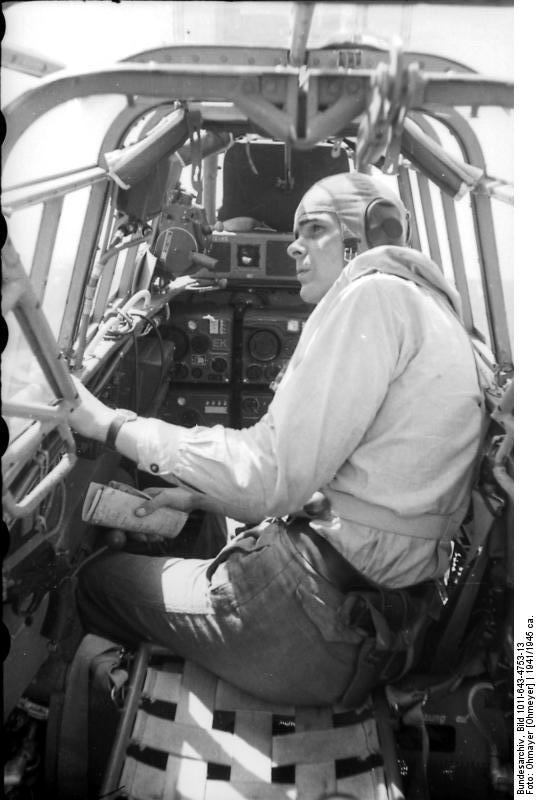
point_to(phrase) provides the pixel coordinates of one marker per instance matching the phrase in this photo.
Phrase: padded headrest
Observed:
(247, 194)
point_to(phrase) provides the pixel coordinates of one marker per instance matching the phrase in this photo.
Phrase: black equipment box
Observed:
(253, 255)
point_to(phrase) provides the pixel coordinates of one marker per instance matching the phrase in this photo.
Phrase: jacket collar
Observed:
(407, 263)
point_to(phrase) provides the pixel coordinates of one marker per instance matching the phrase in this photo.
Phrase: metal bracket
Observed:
(392, 93)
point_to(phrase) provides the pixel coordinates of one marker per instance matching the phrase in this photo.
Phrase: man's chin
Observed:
(309, 295)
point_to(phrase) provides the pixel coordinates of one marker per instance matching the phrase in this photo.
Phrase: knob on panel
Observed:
(189, 418)
(200, 343)
(250, 405)
(219, 365)
(254, 373)
(271, 372)
(180, 340)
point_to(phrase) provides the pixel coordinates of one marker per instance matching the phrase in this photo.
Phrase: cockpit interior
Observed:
(149, 196)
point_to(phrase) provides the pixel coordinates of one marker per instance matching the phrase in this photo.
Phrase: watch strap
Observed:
(116, 424)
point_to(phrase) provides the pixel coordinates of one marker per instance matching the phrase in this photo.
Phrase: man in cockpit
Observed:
(380, 411)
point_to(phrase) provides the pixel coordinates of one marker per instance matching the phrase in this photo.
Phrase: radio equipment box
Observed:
(191, 407)
(253, 406)
(269, 337)
(203, 340)
(253, 255)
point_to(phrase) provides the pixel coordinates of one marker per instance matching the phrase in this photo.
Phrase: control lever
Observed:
(201, 260)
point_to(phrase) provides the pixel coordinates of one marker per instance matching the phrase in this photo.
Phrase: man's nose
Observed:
(296, 249)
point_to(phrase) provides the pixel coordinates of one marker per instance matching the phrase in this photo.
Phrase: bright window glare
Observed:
(84, 34)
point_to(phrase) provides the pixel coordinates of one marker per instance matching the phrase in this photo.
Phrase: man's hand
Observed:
(91, 418)
(178, 498)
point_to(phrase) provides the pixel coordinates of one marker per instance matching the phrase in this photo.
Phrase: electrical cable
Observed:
(154, 326)
(61, 515)
(135, 401)
(479, 687)
(87, 560)
(501, 776)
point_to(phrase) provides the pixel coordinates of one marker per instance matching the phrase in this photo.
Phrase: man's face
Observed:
(319, 254)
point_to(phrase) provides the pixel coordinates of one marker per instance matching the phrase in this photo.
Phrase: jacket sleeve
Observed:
(332, 389)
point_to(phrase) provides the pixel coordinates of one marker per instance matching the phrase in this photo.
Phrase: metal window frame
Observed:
(485, 239)
(453, 237)
(21, 299)
(269, 97)
(44, 245)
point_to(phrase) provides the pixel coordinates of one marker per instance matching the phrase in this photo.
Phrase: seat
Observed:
(187, 735)
(254, 181)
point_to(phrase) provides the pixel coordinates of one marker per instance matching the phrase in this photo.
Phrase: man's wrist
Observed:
(119, 418)
(102, 424)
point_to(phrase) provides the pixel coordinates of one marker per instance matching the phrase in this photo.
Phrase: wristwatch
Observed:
(122, 415)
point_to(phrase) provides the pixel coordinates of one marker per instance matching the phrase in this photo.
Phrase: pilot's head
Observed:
(337, 218)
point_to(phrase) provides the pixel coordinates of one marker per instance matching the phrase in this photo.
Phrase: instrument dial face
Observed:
(264, 345)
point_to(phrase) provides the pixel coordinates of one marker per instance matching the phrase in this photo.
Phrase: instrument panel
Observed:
(197, 406)
(269, 338)
(227, 357)
(203, 339)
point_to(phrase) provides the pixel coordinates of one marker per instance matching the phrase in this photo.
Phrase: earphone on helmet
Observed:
(384, 223)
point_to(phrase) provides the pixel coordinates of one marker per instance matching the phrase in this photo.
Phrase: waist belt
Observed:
(423, 526)
(326, 559)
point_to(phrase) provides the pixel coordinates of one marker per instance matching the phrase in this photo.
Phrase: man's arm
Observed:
(328, 398)
(326, 402)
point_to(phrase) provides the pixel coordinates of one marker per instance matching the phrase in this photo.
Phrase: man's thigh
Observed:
(240, 615)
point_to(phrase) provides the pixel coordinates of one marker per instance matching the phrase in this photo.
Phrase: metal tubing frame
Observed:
(175, 82)
(485, 238)
(226, 55)
(44, 246)
(110, 783)
(28, 311)
(454, 240)
(343, 108)
(31, 195)
(23, 447)
(210, 177)
(303, 18)
(393, 780)
(105, 281)
(28, 62)
(259, 91)
(82, 264)
(425, 197)
(406, 193)
(91, 226)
